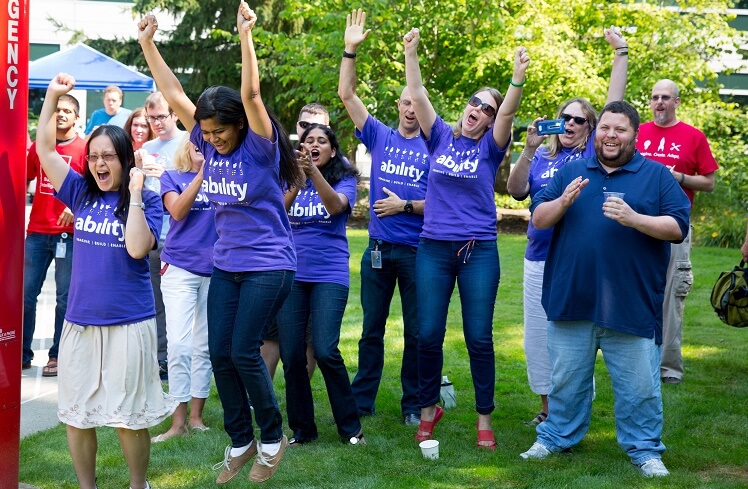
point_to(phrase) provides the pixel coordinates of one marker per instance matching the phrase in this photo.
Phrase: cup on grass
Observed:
(430, 449)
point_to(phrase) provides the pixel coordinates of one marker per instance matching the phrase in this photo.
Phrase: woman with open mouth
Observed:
(318, 212)
(108, 341)
(534, 169)
(249, 161)
(458, 241)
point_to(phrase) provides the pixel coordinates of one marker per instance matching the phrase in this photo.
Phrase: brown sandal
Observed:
(50, 369)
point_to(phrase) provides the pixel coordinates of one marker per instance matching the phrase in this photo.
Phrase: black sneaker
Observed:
(163, 371)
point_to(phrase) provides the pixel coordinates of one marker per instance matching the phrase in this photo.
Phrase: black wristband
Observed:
(346, 54)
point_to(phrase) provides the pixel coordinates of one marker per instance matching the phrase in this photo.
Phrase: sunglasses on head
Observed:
(577, 119)
(485, 108)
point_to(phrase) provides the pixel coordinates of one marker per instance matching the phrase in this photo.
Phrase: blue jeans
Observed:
(40, 251)
(377, 289)
(240, 308)
(320, 305)
(476, 271)
(634, 366)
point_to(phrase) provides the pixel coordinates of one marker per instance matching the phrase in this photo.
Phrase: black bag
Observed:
(730, 296)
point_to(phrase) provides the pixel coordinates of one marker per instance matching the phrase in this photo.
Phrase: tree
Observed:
(466, 44)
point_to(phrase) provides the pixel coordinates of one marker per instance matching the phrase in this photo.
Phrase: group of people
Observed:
(255, 249)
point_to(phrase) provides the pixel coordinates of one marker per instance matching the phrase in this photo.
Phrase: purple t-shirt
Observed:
(400, 164)
(108, 287)
(542, 170)
(253, 230)
(459, 197)
(321, 242)
(189, 243)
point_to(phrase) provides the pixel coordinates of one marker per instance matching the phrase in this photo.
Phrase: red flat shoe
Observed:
(486, 436)
(428, 426)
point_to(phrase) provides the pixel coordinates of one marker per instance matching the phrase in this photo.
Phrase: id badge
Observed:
(376, 259)
(61, 250)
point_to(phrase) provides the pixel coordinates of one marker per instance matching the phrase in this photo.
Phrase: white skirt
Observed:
(108, 376)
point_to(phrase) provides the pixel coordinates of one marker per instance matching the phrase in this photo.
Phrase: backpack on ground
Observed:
(730, 296)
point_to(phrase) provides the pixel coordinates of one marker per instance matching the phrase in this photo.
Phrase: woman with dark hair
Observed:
(108, 374)
(249, 161)
(458, 241)
(534, 169)
(318, 213)
(138, 128)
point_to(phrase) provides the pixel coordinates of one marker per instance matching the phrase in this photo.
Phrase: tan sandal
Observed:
(50, 369)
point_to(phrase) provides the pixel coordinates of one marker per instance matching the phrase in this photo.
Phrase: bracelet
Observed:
(622, 47)
(346, 54)
(518, 85)
(137, 204)
(622, 53)
(525, 156)
(682, 178)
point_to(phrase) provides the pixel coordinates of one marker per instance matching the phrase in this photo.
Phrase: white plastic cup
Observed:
(430, 449)
(617, 195)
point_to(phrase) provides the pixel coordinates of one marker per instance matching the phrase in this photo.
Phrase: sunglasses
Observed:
(577, 119)
(304, 124)
(485, 108)
(664, 98)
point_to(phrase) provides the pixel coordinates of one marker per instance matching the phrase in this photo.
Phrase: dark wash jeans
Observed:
(240, 308)
(40, 251)
(377, 289)
(321, 305)
(477, 276)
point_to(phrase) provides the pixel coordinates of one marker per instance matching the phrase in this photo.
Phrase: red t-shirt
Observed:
(681, 145)
(46, 209)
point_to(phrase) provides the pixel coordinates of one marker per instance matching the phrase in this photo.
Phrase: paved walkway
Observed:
(39, 394)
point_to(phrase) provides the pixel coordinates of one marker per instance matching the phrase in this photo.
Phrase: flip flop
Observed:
(50, 369)
(486, 436)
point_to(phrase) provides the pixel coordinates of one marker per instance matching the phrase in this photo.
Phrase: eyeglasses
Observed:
(405, 102)
(485, 108)
(158, 118)
(664, 98)
(577, 119)
(107, 157)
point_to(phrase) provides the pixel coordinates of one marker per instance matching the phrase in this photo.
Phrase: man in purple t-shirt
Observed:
(399, 172)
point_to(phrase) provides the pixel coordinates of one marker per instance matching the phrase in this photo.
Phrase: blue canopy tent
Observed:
(92, 71)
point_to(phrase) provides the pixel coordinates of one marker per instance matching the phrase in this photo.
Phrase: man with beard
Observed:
(685, 151)
(603, 288)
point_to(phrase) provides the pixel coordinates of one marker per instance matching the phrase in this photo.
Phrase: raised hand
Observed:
(521, 62)
(533, 139)
(61, 84)
(354, 29)
(411, 39)
(147, 28)
(137, 177)
(305, 162)
(614, 37)
(245, 18)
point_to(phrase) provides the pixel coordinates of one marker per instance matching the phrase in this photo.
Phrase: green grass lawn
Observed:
(706, 426)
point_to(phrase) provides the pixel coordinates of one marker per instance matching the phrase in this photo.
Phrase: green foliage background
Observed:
(467, 44)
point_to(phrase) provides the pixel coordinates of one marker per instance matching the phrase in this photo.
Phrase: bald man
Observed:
(685, 151)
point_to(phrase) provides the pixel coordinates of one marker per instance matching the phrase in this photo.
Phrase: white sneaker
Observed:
(653, 468)
(536, 451)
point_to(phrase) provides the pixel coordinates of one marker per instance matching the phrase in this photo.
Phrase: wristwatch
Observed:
(408, 207)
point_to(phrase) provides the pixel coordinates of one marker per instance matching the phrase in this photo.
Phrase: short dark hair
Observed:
(337, 168)
(621, 107)
(70, 99)
(126, 157)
